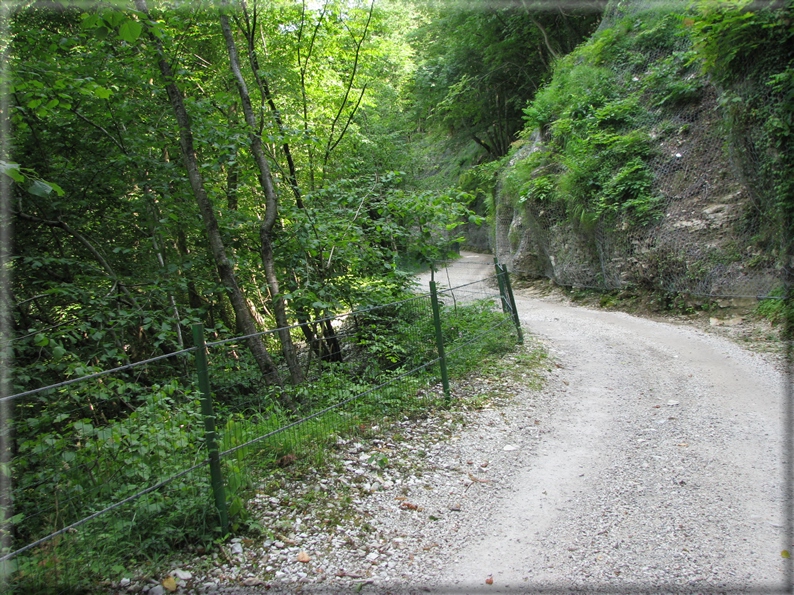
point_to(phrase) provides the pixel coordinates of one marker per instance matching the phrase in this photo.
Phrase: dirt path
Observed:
(662, 464)
(650, 461)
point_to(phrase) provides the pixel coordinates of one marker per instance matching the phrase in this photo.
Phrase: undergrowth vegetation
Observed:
(88, 452)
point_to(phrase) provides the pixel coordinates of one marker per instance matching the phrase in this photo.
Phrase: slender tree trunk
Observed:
(264, 88)
(180, 243)
(303, 67)
(267, 97)
(271, 205)
(225, 271)
(232, 182)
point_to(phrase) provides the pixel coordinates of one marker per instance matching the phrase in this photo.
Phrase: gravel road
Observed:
(650, 461)
(662, 466)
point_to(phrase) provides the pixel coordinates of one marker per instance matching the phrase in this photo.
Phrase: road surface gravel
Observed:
(662, 468)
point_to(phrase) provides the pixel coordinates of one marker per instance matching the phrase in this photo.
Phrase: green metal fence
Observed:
(115, 464)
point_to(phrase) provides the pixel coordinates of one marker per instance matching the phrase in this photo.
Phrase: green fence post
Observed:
(513, 307)
(216, 477)
(501, 281)
(439, 338)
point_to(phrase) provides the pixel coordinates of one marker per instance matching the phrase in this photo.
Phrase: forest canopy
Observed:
(248, 165)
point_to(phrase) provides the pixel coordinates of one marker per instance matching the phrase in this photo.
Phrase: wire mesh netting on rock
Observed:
(646, 172)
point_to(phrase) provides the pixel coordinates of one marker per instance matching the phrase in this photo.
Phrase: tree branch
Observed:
(98, 127)
(328, 147)
(85, 242)
(482, 143)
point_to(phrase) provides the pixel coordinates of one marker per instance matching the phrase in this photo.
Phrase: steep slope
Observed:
(646, 161)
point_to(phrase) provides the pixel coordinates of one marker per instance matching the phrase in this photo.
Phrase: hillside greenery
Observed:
(258, 165)
(611, 97)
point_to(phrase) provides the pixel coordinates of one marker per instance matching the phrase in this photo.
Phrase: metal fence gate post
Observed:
(513, 307)
(207, 412)
(501, 281)
(439, 338)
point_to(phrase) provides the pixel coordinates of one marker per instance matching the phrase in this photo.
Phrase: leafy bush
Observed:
(67, 468)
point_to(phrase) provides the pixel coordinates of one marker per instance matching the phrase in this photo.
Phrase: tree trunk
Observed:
(271, 206)
(225, 271)
(249, 31)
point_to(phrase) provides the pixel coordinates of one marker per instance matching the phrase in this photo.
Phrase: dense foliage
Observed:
(475, 83)
(596, 118)
(243, 165)
(598, 135)
(111, 247)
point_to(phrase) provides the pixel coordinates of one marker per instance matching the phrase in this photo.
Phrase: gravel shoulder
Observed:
(649, 461)
(662, 469)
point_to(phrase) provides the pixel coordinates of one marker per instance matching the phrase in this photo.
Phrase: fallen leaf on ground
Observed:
(303, 557)
(409, 506)
(489, 580)
(169, 583)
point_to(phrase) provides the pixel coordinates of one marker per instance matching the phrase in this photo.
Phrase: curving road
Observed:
(650, 461)
(661, 468)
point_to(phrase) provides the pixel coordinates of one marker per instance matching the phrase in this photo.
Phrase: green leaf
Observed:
(785, 554)
(17, 518)
(156, 29)
(114, 18)
(58, 190)
(130, 31)
(12, 171)
(102, 92)
(90, 21)
(40, 188)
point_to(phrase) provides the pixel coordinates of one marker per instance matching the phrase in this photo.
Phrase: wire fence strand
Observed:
(107, 451)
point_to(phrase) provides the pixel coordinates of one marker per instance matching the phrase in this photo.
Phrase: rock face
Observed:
(705, 241)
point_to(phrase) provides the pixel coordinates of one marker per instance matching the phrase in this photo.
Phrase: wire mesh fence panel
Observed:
(382, 361)
(474, 323)
(120, 465)
(108, 467)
